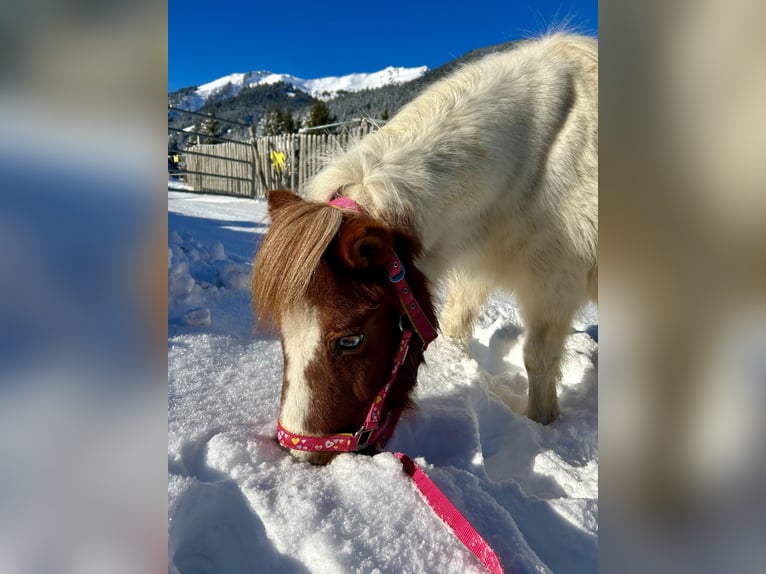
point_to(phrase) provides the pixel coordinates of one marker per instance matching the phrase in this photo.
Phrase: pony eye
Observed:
(349, 343)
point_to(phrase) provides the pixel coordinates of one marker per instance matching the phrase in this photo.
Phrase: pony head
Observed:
(321, 278)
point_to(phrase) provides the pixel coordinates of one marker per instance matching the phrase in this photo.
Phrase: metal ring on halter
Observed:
(398, 277)
(363, 438)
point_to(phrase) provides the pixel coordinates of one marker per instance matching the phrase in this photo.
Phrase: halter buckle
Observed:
(363, 435)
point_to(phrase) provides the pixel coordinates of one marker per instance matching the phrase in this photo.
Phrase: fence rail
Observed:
(253, 167)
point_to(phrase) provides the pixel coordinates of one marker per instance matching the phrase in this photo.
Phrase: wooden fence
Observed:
(250, 169)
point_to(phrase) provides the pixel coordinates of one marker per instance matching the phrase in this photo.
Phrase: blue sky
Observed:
(313, 39)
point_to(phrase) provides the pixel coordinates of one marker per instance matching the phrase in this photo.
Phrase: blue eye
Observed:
(348, 343)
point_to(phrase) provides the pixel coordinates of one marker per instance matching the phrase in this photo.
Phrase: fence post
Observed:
(252, 163)
(253, 156)
(293, 150)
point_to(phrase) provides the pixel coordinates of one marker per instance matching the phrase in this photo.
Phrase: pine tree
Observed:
(272, 122)
(194, 138)
(277, 122)
(288, 123)
(320, 115)
(211, 129)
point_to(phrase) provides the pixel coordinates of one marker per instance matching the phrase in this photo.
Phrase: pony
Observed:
(487, 180)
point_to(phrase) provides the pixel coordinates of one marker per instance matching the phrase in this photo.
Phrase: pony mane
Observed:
(289, 255)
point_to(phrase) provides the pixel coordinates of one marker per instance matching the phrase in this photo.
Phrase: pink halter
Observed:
(376, 429)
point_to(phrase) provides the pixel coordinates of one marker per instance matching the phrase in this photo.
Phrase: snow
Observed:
(177, 184)
(330, 86)
(239, 503)
(324, 88)
(237, 81)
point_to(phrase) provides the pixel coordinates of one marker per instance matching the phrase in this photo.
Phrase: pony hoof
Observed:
(544, 416)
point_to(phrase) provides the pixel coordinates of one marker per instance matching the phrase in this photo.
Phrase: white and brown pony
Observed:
(487, 180)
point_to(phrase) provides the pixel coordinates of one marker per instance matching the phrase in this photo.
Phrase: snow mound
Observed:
(198, 274)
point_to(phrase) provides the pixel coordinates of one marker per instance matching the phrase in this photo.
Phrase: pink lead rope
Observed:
(451, 516)
(374, 432)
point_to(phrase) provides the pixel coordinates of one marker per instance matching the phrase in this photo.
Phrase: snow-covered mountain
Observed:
(324, 88)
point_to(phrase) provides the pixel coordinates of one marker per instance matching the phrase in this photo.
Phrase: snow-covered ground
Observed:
(176, 184)
(324, 88)
(238, 503)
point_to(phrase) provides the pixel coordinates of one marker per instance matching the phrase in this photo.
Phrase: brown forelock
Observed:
(291, 250)
(360, 301)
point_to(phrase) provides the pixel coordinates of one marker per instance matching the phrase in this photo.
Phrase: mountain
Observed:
(230, 86)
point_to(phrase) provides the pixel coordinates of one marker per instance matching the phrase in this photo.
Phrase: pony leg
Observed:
(465, 298)
(543, 350)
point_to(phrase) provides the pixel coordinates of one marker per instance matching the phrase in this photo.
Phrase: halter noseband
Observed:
(376, 429)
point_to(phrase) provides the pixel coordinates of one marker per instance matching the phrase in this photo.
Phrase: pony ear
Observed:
(280, 198)
(364, 243)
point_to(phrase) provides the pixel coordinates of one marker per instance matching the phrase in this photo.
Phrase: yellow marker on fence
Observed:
(278, 160)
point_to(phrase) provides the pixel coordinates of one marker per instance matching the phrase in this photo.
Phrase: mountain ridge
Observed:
(324, 88)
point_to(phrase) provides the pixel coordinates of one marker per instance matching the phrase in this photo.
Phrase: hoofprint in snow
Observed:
(239, 503)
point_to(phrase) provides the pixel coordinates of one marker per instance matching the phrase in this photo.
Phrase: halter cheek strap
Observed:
(414, 311)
